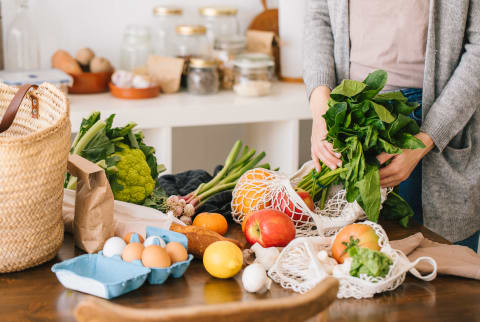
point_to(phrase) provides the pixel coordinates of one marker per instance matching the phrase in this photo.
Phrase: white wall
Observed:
(99, 24)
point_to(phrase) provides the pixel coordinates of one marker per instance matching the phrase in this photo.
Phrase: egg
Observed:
(122, 79)
(177, 252)
(128, 237)
(113, 246)
(132, 252)
(155, 256)
(154, 240)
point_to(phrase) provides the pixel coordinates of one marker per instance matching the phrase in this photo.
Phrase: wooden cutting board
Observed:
(265, 21)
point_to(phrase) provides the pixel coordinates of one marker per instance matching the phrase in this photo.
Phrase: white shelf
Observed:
(287, 102)
(270, 123)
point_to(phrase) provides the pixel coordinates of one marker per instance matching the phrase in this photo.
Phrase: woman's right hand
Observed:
(321, 149)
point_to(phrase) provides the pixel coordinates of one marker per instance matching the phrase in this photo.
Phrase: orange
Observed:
(249, 197)
(244, 221)
(211, 221)
(257, 174)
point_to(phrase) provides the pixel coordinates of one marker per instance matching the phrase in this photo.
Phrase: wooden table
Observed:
(36, 295)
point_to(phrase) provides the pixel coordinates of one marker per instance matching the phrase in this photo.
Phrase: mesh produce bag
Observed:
(259, 189)
(299, 268)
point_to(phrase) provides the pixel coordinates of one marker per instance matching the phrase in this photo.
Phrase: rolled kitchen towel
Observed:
(451, 259)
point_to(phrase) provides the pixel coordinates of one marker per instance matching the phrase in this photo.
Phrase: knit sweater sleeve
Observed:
(458, 101)
(319, 65)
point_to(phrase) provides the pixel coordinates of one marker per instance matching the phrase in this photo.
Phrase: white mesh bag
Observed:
(298, 268)
(259, 188)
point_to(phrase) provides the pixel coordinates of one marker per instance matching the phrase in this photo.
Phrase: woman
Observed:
(431, 51)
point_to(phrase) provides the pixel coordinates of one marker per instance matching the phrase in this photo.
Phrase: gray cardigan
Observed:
(451, 100)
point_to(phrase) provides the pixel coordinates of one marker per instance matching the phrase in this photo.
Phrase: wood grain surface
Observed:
(36, 295)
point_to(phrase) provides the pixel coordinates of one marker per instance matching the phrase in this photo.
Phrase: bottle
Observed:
(136, 47)
(22, 51)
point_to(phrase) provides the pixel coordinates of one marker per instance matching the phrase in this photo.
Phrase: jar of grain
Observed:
(253, 74)
(203, 76)
(225, 50)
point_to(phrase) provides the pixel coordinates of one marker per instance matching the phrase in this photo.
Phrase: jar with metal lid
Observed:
(192, 40)
(225, 50)
(136, 47)
(166, 19)
(202, 76)
(254, 74)
(220, 21)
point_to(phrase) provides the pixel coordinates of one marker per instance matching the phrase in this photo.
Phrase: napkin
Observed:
(451, 259)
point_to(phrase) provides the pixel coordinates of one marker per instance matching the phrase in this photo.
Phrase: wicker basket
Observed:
(34, 146)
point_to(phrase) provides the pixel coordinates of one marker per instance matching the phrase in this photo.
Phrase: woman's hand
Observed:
(320, 148)
(403, 164)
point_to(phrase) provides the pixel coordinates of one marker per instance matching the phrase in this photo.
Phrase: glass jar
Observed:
(253, 74)
(136, 47)
(202, 76)
(191, 41)
(220, 21)
(166, 19)
(225, 50)
(22, 50)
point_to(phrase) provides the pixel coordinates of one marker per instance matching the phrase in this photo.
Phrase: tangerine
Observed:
(212, 221)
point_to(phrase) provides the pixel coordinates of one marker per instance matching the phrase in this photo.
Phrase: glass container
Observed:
(136, 47)
(203, 76)
(225, 50)
(22, 50)
(166, 19)
(191, 40)
(253, 74)
(220, 21)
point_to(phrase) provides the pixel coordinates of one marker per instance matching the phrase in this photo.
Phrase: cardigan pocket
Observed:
(458, 158)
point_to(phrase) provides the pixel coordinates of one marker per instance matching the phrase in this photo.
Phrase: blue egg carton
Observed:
(110, 277)
(160, 275)
(100, 276)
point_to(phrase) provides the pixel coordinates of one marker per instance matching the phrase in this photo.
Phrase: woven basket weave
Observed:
(33, 162)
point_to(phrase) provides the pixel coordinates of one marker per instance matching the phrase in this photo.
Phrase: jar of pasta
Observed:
(225, 50)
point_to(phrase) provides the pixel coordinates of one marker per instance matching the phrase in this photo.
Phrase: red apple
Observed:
(269, 228)
(283, 203)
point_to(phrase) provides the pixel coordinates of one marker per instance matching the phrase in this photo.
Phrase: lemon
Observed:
(223, 259)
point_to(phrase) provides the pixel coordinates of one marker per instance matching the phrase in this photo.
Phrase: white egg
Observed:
(113, 246)
(151, 241)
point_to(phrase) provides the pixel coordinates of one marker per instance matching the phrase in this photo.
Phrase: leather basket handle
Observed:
(14, 105)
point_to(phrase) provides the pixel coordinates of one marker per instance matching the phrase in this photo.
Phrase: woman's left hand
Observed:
(403, 164)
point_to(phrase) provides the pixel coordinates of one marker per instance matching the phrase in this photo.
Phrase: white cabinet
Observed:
(191, 132)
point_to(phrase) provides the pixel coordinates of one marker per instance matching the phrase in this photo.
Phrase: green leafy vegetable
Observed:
(396, 208)
(369, 262)
(362, 124)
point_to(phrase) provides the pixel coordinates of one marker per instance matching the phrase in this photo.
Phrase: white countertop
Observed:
(287, 102)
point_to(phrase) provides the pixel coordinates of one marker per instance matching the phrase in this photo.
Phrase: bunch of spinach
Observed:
(361, 124)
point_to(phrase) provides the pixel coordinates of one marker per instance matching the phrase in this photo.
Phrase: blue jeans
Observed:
(411, 189)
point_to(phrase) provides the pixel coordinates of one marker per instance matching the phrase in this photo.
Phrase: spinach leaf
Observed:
(347, 88)
(389, 148)
(335, 115)
(402, 124)
(405, 108)
(369, 188)
(383, 113)
(408, 141)
(375, 82)
(390, 96)
(396, 208)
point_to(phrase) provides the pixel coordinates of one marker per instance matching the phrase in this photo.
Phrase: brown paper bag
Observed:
(166, 71)
(93, 219)
(265, 42)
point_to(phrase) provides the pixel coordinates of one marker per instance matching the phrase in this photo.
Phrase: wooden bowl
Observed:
(134, 93)
(90, 83)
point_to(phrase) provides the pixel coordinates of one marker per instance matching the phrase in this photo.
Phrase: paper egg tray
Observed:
(110, 277)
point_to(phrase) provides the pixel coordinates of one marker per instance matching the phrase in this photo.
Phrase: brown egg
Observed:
(132, 251)
(176, 251)
(155, 256)
(129, 235)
